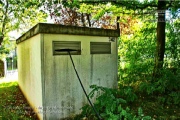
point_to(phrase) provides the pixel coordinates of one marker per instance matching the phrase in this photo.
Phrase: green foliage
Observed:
(172, 53)
(127, 93)
(136, 54)
(6, 48)
(18, 15)
(136, 65)
(86, 8)
(69, 3)
(110, 106)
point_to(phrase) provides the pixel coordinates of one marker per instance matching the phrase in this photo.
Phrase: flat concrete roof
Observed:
(46, 28)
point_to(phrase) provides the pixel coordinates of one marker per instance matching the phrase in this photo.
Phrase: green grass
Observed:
(13, 105)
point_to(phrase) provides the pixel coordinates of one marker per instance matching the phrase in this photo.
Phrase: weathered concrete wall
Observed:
(29, 69)
(49, 82)
(62, 90)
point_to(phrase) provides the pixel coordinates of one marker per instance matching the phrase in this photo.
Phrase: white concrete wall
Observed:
(29, 71)
(63, 93)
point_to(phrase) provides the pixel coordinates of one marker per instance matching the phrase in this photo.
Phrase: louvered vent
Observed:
(100, 47)
(74, 45)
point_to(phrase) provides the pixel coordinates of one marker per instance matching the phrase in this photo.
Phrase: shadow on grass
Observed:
(13, 105)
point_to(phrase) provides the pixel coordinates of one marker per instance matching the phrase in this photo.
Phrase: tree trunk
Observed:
(160, 48)
(82, 19)
(88, 18)
(4, 19)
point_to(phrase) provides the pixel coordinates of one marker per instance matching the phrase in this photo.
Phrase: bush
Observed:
(110, 106)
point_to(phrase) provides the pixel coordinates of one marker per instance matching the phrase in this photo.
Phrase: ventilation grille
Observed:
(57, 45)
(100, 47)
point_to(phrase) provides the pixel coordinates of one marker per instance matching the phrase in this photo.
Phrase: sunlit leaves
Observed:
(19, 15)
(84, 8)
(172, 53)
(136, 50)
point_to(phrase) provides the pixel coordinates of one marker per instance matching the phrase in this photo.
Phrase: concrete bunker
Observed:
(46, 76)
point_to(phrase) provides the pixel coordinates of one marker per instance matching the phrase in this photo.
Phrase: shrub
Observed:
(110, 106)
